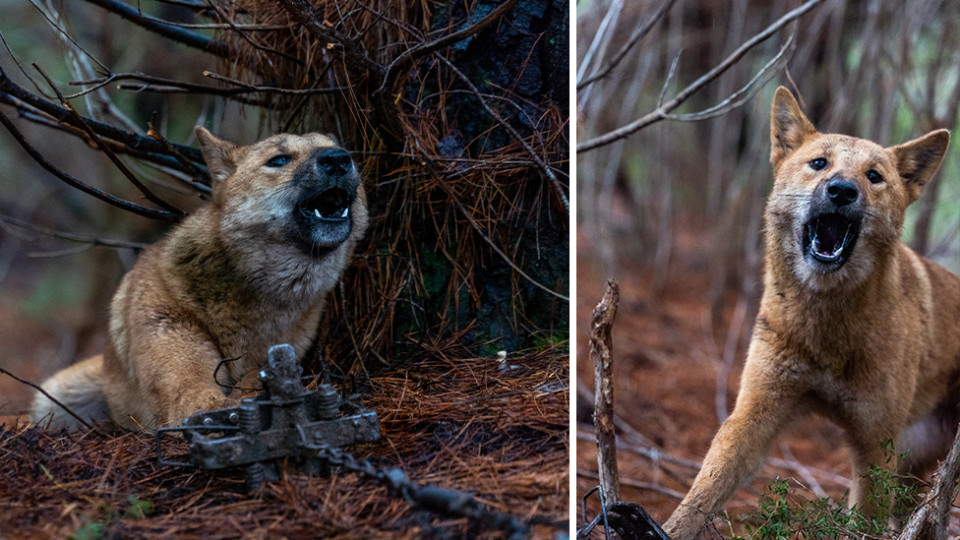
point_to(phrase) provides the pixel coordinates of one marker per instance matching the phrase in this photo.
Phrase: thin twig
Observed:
(96, 242)
(168, 164)
(803, 471)
(73, 182)
(197, 172)
(420, 51)
(476, 226)
(748, 90)
(655, 455)
(106, 150)
(663, 111)
(513, 132)
(186, 87)
(666, 82)
(64, 34)
(51, 398)
(648, 486)
(637, 35)
(133, 141)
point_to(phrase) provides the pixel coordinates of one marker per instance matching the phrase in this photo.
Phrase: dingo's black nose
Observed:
(334, 161)
(842, 192)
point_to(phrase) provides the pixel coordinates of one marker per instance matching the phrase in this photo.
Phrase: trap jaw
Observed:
(285, 423)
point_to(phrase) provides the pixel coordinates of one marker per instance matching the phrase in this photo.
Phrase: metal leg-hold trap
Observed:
(282, 426)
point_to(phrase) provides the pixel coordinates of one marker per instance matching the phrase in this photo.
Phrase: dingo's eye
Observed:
(818, 164)
(874, 177)
(278, 161)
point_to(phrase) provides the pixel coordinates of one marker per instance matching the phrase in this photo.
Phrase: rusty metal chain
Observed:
(431, 498)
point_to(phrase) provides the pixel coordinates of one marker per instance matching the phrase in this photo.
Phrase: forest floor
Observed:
(499, 432)
(666, 350)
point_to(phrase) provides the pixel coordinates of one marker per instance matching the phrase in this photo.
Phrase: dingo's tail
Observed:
(80, 389)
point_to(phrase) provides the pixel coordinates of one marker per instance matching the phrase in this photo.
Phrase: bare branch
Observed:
(189, 165)
(931, 518)
(673, 494)
(666, 82)
(637, 35)
(662, 112)
(106, 150)
(133, 141)
(745, 93)
(167, 30)
(73, 182)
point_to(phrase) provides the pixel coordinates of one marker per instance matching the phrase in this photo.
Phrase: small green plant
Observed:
(90, 531)
(780, 516)
(138, 508)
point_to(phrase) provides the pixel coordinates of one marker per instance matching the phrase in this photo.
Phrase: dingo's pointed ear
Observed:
(919, 159)
(788, 127)
(217, 153)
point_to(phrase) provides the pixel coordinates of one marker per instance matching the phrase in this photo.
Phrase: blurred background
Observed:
(674, 211)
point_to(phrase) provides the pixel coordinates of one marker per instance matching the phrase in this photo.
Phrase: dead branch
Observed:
(656, 456)
(637, 35)
(165, 162)
(132, 141)
(162, 215)
(84, 239)
(647, 486)
(160, 84)
(601, 352)
(662, 111)
(746, 92)
(109, 152)
(931, 518)
(167, 30)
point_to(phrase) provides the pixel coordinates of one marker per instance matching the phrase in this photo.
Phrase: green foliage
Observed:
(138, 508)
(90, 531)
(777, 517)
(780, 516)
(545, 342)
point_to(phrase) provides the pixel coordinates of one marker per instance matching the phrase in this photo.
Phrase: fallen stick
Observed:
(601, 353)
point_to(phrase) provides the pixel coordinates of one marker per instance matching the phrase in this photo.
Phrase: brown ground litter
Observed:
(462, 423)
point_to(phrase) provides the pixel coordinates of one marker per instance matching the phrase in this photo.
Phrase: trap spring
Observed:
(283, 423)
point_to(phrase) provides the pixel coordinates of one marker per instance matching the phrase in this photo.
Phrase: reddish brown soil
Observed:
(666, 364)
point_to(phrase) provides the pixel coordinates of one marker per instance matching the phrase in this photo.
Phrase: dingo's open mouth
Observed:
(828, 240)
